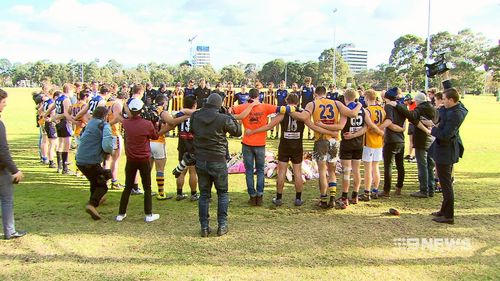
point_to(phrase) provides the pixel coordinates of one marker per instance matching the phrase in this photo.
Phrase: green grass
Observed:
(267, 243)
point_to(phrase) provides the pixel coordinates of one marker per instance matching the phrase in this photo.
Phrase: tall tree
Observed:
(407, 57)
(272, 71)
(325, 75)
(232, 73)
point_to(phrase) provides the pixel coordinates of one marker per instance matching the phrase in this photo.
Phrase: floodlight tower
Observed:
(190, 40)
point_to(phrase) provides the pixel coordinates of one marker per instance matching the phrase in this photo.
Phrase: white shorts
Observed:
(372, 154)
(158, 150)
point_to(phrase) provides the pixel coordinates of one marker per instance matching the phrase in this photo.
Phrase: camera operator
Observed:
(95, 140)
(210, 144)
(138, 132)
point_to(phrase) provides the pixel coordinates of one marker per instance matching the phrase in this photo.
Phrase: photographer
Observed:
(95, 140)
(210, 145)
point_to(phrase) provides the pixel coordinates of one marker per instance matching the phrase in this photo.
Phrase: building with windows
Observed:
(201, 56)
(355, 58)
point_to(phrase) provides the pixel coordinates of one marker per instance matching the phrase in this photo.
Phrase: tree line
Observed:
(476, 66)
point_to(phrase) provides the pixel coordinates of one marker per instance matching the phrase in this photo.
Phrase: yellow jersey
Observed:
(161, 138)
(377, 115)
(75, 108)
(326, 111)
(117, 127)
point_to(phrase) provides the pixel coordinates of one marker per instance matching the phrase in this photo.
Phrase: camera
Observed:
(105, 175)
(149, 113)
(187, 160)
(438, 67)
(37, 98)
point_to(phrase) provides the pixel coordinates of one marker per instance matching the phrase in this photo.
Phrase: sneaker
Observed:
(397, 192)
(136, 191)
(384, 194)
(365, 197)
(151, 217)
(194, 197)
(91, 210)
(161, 196)
(120, 218)
(52, 165)
(413, 160)
(68, 172)
(59, 169)
(116, 185)
(354, 200)
(298, 202)
(16, 234)
(342, 203)
(331, 203)
(180, 197)
(407, 157)
(438, 188)
(277, 202)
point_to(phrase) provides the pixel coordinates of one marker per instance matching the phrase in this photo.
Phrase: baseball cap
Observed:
(408, 97)
(391, 94)
(135, 104)
(420, 97)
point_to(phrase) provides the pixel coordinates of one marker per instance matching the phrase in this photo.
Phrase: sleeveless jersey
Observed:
(75, 108)
(242, 97)
(115, 128)
(326, 111)
(307, 95)
(377, 115)
(59, 104)
(353, 125)
(281, 96)
(161, 138)
(94, 102)
(46, 104)
(188, 92)
(261, 97)
(177, 97)
(270, 97)
(291, 133)
(230, 97)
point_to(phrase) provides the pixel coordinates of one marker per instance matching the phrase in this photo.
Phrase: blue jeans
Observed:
(425, 165)
(216, 173)
(257, 155)
(7, 199)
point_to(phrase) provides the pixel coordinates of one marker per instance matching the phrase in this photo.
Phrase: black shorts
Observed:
(411, 129)
(183, 147)
(63, 129)
(290, 154)
(50, 130)
(350, 154)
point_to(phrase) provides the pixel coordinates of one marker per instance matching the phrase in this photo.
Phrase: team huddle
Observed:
(353, 126)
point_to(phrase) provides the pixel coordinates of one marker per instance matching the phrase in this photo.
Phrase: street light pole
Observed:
(428, 43)
(286, 70)
(334, 49)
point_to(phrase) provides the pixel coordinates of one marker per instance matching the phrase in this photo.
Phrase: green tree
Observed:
(309, 69)
(325, 75)
(232, 73)
(407, 57)
(272, 71)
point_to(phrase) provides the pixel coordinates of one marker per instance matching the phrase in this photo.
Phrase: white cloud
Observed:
(23, 10)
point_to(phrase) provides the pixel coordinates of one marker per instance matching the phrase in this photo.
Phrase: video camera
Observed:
(439, 66)
(150, 113)
(187, 160)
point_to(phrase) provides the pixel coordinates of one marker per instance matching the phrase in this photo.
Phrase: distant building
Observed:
(201, 56)
(355, 58)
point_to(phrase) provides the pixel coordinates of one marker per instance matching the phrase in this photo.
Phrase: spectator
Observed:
(9, 174)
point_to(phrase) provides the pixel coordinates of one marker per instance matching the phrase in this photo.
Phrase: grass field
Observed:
(266, 243)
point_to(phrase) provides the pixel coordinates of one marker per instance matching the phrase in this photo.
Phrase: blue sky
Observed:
(133, 32)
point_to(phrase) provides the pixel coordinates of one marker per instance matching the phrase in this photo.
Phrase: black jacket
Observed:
(448, 146)
(424, 110)
(210, 128)
(201, 95)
